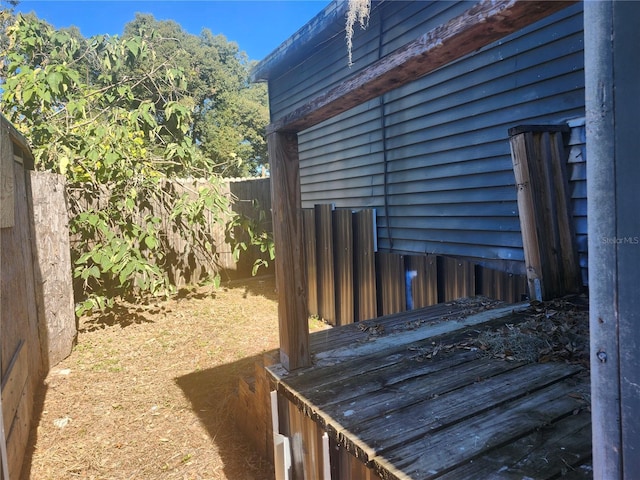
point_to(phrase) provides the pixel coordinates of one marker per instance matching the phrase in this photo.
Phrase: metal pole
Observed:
(613, 175)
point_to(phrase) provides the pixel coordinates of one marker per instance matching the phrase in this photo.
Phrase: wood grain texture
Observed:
(343, 253)
(325, 263)
(52, 266)
(288, 237)
(365, 264)
(21, 365)
(311, 259)
(458, 278)
(530, 240)
(391, 279)
(571, 279)
(13, 385)
(546, 221)
(404, 416)
(7, 195)
(485, 22)
(425, 284)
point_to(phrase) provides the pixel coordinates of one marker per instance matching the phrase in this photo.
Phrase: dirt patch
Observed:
(124, 404)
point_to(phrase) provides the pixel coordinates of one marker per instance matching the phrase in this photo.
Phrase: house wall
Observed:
(577, 174)
(438, 167)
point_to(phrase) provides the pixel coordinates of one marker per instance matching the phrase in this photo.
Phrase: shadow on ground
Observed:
(213, 396)
(38, 408)
(262, 286)
(123, 315)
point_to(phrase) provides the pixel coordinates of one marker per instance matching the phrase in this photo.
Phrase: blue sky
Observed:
(258, 26)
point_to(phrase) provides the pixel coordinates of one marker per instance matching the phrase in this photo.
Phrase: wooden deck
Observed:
(411, 397)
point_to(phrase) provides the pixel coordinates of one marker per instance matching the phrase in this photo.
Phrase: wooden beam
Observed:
(482, 24)
(289, 262)
(521, 144)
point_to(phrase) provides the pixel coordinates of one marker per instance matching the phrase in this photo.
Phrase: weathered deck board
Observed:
(396, 396)
(541, 454)
(436, 412)
(434, 454)
(334, 338)
(360, 339)
(384, 396)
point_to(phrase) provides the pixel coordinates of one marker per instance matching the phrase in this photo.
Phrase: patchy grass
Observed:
(122, 407)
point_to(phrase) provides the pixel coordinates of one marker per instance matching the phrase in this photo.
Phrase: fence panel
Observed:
(326, 274)
(457, 278)
(365, 287)
(21, 366)
(311, 259)
(343, 252)
(424, 284)
(349, 281)
(185, 264)
(391, 279)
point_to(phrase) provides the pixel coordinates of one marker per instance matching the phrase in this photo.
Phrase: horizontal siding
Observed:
(449, 177)
(577, 174)
(326, 68)
(342, 154)
(403, 22)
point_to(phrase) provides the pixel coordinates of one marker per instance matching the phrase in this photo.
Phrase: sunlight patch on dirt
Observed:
(114, 409)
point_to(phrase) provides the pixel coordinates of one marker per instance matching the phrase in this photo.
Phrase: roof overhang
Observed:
(483, 23)
(324, 26)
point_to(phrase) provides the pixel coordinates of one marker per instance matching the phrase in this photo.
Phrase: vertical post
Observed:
(365, 246)
(613, 172)
(521, 144)
(343, 270)
(325, 263)
(289, 262)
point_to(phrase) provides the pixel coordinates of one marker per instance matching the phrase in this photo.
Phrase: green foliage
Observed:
(229, 114)
(243, 232)
(114, 117)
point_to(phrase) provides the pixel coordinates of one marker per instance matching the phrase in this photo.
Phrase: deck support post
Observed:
(613, 172)
(289, 262)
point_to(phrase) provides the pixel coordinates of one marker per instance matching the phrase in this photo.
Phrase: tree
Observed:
(6, 18)
(114, 117)
(229, 114)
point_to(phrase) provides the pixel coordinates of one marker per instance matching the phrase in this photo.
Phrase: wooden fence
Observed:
(348, 280)
(185, 262)
(37, 322)
(188, 266)
(544, 204)
(20, 354)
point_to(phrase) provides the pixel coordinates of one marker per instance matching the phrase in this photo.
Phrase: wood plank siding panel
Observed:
(450, 185)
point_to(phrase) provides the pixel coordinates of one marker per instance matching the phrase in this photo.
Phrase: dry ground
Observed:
(147, 391)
